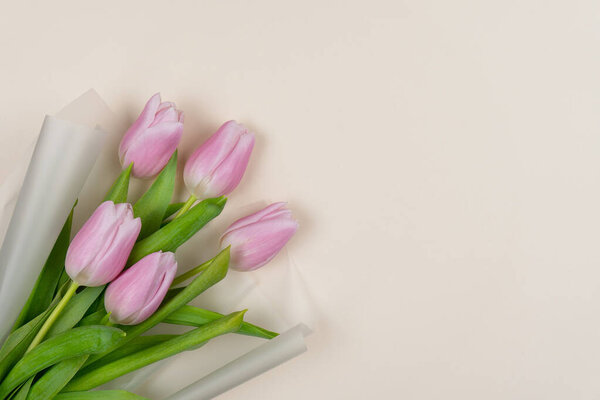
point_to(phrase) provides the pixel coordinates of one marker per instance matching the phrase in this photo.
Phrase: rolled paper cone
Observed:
(258, 361)
(64, 155)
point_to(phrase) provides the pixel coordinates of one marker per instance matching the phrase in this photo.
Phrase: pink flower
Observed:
(152, 139)
(137, 292)
(100, 249)
(257, 238)
(217, 166)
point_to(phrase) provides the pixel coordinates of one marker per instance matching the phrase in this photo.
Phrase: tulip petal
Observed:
(91, 238)
(229, 173)
(257, 216)
(165, 104)
(255, 245)
(100, 249)
(211, 154)
(143, 121)
(129, 292)
(166, 115)
(111, 263)
(151, 152)
(138, 292)
(122, 212)
(152, 139)
(159, 290)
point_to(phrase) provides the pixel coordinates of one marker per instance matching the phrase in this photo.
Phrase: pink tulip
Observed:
(257, 238)
(100, 249)
(217, 166)
(152, 139)
(137, 292)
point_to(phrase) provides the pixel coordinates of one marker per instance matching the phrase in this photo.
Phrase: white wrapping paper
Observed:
(63, 157)
(265, 357)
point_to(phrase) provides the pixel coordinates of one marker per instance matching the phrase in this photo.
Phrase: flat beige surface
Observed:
(441, 156)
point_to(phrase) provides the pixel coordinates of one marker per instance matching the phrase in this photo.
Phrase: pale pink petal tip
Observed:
(218, 165)
(257, 238)
(99, 251)
(138, 292)
(151, 141)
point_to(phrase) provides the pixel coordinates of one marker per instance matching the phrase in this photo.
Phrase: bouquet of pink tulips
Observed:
(97, 295)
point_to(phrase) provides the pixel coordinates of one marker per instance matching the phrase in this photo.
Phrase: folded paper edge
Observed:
(17, 278)
(267, 356)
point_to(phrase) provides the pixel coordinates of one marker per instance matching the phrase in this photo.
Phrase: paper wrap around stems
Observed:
(258, 361)
(63, 157)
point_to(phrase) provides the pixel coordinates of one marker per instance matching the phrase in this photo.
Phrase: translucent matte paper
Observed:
(63, 157)
(269, 355)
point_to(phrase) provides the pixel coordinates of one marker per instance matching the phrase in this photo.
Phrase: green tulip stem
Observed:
(192, 272)
(106, 320)
(53, 316)
(188, 204)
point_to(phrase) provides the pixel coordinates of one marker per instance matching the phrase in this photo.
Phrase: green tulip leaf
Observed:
(98, 376)
(94, 318)
(151, 207)
(97, 306)
(119, 189)
(73, 343)
(56, 378)
(172, 293)
(138, 344)
(48, 281)
(75, 310)
(172, 209)
(178, 231)
(100, 395)
(213, 274)
(22, 392)
(64, 278)
(194, 316)
(17, 342)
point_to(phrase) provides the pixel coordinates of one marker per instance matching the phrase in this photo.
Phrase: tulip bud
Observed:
(100, 249)
(217, 166)
(137, 292)
(257, 238)
(152, 139)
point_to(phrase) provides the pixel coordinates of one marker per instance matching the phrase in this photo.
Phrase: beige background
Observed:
(441, 156)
